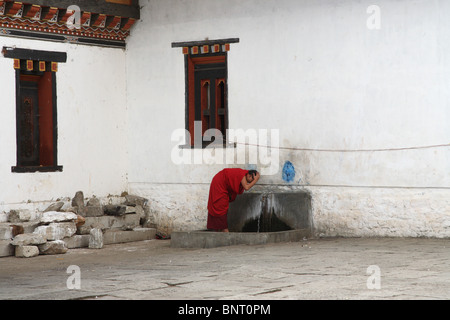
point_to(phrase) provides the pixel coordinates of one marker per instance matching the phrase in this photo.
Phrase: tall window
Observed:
(36, 112)
(207, 95)
(206, 70)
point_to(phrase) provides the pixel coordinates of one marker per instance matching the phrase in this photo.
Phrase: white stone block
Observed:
(53, 247)
(28, 239)
(96, 239)
(77, 241)
(57, 231)
(27, 251)
(57, 216)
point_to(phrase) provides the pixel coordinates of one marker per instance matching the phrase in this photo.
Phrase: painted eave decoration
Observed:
(71, 24)
(205, 46)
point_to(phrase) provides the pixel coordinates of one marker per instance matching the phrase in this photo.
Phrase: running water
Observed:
(267, 220)
(263, 208)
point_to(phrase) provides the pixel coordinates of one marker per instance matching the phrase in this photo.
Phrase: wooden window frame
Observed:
(47, 153)
(198, 53)
(37, 70)
(195, 99)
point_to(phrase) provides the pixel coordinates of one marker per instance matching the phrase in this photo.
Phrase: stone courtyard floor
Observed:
(329, 268)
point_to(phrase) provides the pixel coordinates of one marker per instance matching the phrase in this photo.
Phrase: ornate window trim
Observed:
(36, 121)
(61, 24)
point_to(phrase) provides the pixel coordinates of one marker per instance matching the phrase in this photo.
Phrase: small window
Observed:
(206, 73)
(36, 111)
(207, 94)
(36, 121)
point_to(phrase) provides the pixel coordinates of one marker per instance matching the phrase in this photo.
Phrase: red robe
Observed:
(225, 186)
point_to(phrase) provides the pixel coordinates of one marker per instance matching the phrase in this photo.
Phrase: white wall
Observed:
(92, 124)
(316, 72)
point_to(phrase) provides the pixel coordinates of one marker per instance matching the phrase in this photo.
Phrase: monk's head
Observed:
(250, 176)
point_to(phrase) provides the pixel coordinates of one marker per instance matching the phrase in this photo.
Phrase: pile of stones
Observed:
(48, 237)
(79, 223)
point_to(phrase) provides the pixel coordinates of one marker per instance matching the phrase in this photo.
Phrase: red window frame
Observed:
(198, 103)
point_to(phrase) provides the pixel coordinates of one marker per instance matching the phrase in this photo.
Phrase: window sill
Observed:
(208, 145)
(18, 169)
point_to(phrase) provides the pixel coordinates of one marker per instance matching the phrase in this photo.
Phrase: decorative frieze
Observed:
(63, 24)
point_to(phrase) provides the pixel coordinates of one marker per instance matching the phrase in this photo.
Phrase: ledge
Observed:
(28, 54)
(204, 42)
(210, 239)
(18, 169)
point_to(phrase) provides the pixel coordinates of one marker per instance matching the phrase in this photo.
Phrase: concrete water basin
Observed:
(254, 219)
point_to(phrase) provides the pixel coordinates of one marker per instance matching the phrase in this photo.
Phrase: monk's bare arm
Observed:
(247, 186)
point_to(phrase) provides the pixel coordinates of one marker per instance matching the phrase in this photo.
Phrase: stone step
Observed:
(109, 222)
(77, 241)
(112, 237)
(82, 241)
(137, 234)
(210, 239)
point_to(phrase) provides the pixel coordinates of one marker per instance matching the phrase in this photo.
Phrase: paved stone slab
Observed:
(312, 269)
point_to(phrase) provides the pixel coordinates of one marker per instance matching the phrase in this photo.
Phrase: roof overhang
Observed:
(91, 22)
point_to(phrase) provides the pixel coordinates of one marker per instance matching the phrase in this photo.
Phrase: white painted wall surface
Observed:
(92, 124)
(316, 72)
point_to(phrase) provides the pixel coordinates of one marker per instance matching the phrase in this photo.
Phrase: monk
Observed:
(225, 186)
